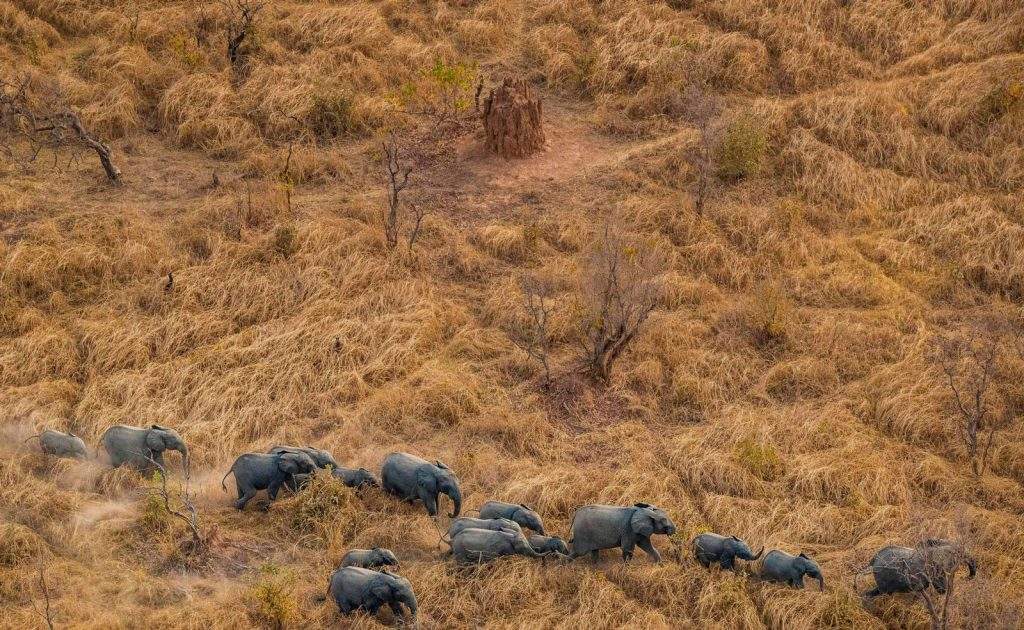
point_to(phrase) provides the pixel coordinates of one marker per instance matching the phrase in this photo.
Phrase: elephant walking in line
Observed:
(521, 514)
(322, 458)
(548, 544)
(473, 546)
(779, 566)
(263, 471)
(494, 524)
(596, 527)
(369, 558)
(355, 588)
(410, 478)
(356, 477)
(136, 446)
(61, 444)
(907, 570)
(709, 548)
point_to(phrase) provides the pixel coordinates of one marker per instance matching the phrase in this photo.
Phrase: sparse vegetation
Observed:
(741, 150)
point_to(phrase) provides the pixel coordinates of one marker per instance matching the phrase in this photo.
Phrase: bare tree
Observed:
(46, 613)
(704, 111)
(189, 513)
(418, 212)
(38, 115)
(240, 16)
(535, 338)
(396, 178)
(619, 291)
(970, 361)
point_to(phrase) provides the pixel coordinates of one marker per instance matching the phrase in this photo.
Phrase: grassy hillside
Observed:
(869, 196)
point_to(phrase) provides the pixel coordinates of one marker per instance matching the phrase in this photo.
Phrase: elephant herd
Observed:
(364, 579)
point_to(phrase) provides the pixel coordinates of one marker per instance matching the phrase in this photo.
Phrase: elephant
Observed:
(369, 558)
(356, 477)
(472, 546)
(494, 524)
(724, 550)
(548, 544)
(521, 514)
(410, 478)
(264, 471)
(596, 527)
(61, 444)
(356, 588)
(137, 446)
(322, 458)
(779, 566)
(908, 570)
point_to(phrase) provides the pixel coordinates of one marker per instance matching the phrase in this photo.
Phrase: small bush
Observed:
(18, 545)
(443, 92)
(330, 114)
(761, 460)
(273, 596)
(285, 241)
(742, 148)
(768, 316)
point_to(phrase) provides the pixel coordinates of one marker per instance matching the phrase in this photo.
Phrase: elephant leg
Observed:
(430, 502)
(344, 607)
(627, 545)
(244, 496)
(645, 544)
(726, 562)
(396, 608)
(873, 593)
(798, 582)
(275, 487)
(594, 556)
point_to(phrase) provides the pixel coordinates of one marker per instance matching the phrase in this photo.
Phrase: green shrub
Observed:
(331, 114)
(760, 459)
(285, 241)
(742, 148)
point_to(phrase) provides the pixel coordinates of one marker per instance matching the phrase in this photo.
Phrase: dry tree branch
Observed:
(704, 111)
(240, 15)
(535, 338)
(47, 612)
(191, 519)
(396, 178)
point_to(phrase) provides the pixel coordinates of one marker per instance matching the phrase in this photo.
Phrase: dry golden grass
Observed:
(780, 391)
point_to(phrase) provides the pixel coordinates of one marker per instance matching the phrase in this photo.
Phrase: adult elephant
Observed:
(909, 570)
(710, 548)
(596, 527)
(410, 478)
(356, 588)
(137, 446)
(61, 444)
(526, 517)
(264, 471)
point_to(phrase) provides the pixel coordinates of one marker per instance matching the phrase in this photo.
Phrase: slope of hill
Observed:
(781, 391)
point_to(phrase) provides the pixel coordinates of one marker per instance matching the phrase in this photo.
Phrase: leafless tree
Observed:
(396, 178)
(189, 513)
(418, 212)
(704, 111)
(38, 116)
(240, 16)
(970, 361)
(535, 338)
(46, 613)
(619, 290)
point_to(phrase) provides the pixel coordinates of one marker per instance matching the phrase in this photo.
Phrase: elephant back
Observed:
(598, 526)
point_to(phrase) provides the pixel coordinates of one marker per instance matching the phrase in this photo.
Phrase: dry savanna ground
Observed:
(866, 197)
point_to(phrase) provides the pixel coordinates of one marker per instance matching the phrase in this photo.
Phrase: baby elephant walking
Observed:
(261, 471)
(369, 558)
(521, 514)
(472, 546)
(724, 550)
(355, 588)
(548, 544)
(61, 444)
(596, 527)
(779, 566)
(468, 522)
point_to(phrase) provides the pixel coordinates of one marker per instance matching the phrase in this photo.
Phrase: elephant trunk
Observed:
(758, 554)
(821, 583)
(972, 568)
(184, 460)
(455, 494)
(409, 599)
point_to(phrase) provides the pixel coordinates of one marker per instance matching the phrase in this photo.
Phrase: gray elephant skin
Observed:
(356, 477)
(779, 566)
(548, 544)
(473, 546)
(494, 524)
(61, 444)
(596, 527)
(356, 588)
(908, 570)
(410, 478)
(709, 548)
(322, 458)
(525, 516)
(135, 446)
(369, 558)
(263, 471)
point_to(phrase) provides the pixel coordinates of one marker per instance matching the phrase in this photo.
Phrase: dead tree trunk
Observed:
(512, 120)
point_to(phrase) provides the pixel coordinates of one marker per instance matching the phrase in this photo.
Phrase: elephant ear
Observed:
(288, 463)
(441, 464)
(382, 591)
(425, 479)
(642, 522)
(154, 439)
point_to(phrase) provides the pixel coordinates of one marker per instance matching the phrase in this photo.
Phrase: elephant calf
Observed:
(724, 550)
(411, 478)
(521, 514)
(494, 524)
(369, 558)
(141, 447)
(355, 588)
(548, 544)
(61, 444)
(596, 527)
(779, 566)
(472, 546)
(908, 570)
(356, 477)
(322, 458)
(263, 471)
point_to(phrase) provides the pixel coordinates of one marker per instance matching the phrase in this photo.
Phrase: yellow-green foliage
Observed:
(742, 149)
(273, 596)
(759, 458)
(285, 241)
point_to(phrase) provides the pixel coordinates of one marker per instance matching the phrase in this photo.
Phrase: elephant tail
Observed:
(230, 470)
(36, 436)
(440, 534)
